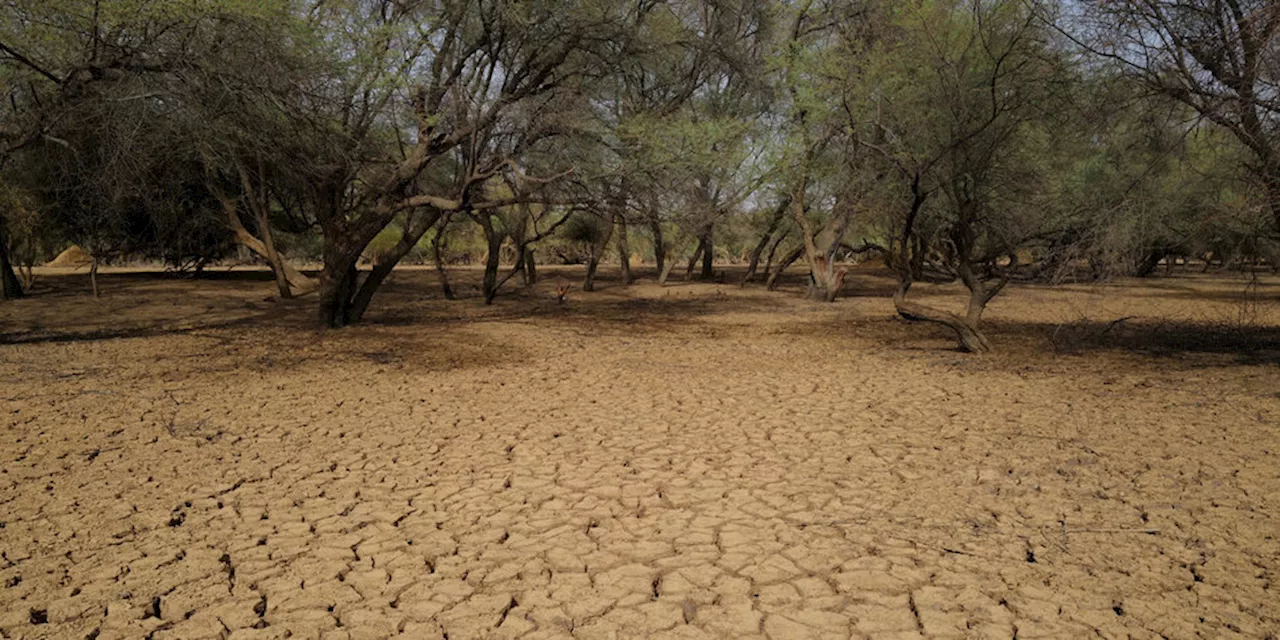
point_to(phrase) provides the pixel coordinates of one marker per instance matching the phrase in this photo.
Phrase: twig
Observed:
(1115, 322)
(1150, 532)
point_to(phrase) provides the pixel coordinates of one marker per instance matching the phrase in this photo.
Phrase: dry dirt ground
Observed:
(188, 460)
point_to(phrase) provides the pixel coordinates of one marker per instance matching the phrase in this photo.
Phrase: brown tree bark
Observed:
(768, 263)
(437, 249)
(10, 286)
(967, 332)
(753, 259)
(624, 250)
(659, 247)
(708, 255)
(772, 283)
(294, 278)
(493, 258)
(387, 262)
(593, 257)
(93, 278)
(530, 267)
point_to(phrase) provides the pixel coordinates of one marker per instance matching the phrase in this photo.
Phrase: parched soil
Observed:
(184, 459)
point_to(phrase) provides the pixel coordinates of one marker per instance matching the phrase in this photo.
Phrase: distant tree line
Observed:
(975, 141)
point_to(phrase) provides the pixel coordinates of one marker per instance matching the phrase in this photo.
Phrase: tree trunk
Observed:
(1149, 263)
(659, 246)
(1272, 189)
(437, 249)
(387, 262)
(708, 256)
(825, 280)
(336, 294)
(273, 257)
(970, 337)
(768, 263)
(693, 260)
(492, 260)
(753, 259)
(296, 279)
(530, 267)
(10, 286)
(624, 251)
(93, 277)
(338, 278)
(593, 263)
(772, 283)
(593, 258)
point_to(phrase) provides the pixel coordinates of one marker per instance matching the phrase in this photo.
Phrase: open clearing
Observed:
(186, 460)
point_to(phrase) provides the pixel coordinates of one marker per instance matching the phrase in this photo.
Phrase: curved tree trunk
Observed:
(698, 252)
(273, 256)
(753, 259)
(787, 261)
(968, 334)
(825, 280)
(387, 262)
(768, 263)
(296, 279)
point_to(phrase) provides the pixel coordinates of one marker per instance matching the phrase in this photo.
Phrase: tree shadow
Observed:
(164, 328)
(1239, 343)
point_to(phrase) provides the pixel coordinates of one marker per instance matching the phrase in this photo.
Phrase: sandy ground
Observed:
(188, 460)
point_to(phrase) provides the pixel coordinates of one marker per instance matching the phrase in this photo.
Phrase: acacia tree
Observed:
(682, 108)
(100, 90)
(958, 101)
(819, 193)
(463, 67)
(1219, 57)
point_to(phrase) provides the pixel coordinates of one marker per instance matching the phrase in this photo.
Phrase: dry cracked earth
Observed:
(187, 460)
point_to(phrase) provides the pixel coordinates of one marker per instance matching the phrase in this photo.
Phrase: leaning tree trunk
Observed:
(753, 259)
(968, 334)
(787, 261)
(387, 262)
(768, 262)
(1149, 263)
(295, 279)
(10, 286)
(693, 260)
(273, 256)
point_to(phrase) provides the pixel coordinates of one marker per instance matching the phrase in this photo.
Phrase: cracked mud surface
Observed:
(689, 462)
